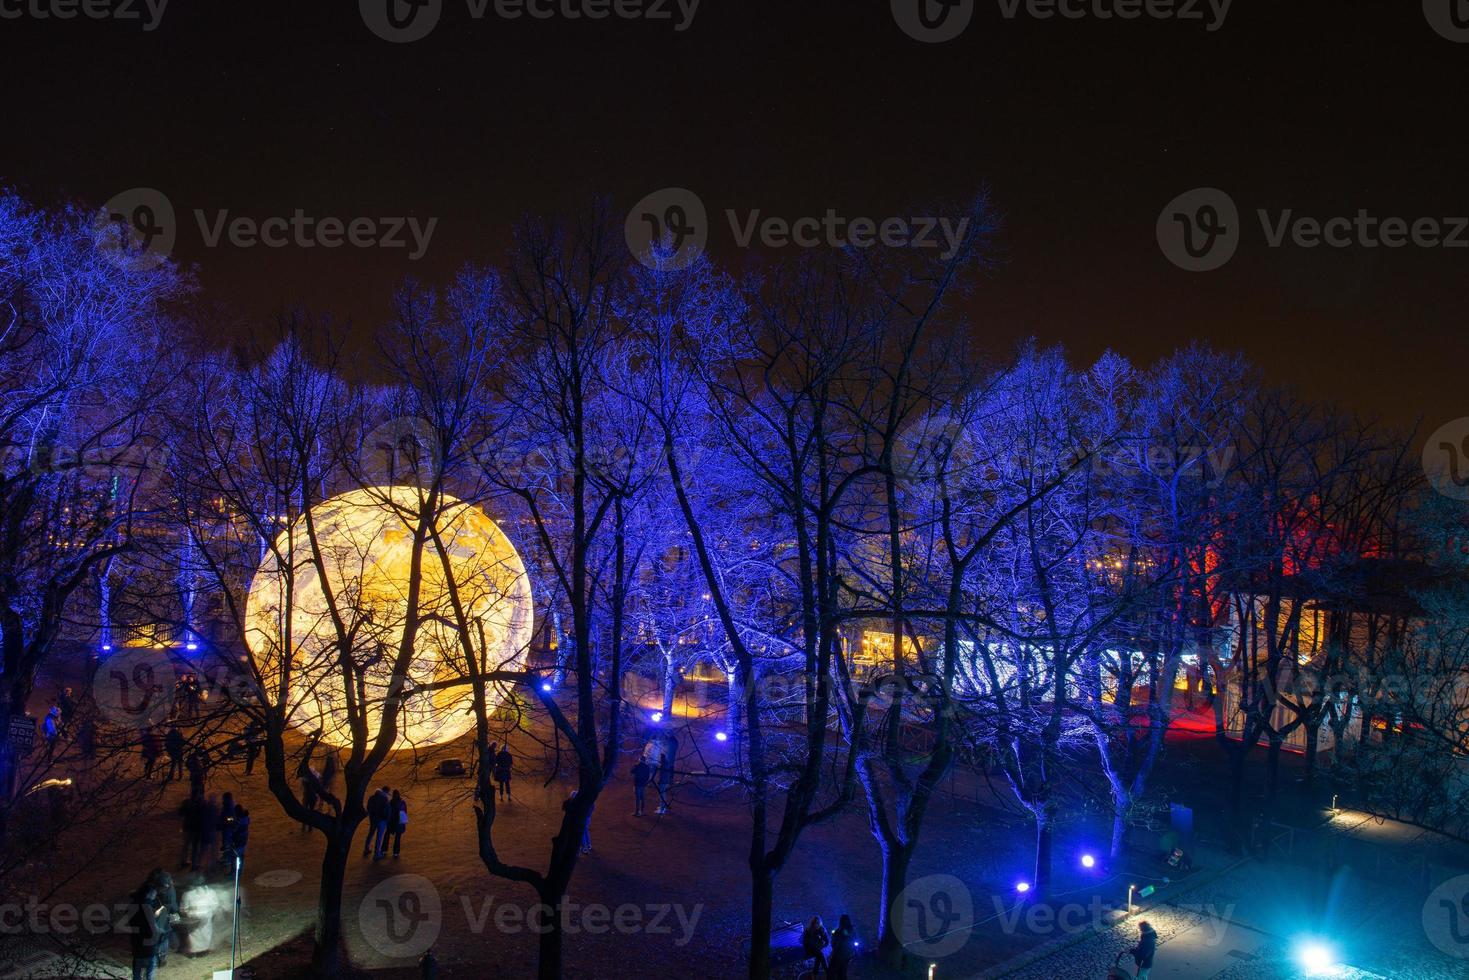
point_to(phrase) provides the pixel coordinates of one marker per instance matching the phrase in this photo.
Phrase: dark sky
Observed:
(1083, 130)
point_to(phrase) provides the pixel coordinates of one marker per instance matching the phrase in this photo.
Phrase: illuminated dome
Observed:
(367, 547)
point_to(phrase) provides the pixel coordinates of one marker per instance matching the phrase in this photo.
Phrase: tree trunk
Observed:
(736, 702)
(896, 860)
(1044, 844)
(326, 951)
(1272, 766)
(550, 945)
(762, 907)
(1119, 826)
(670, 686)
(1313, 740)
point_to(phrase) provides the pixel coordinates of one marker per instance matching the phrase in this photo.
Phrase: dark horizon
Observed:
(1081, 130)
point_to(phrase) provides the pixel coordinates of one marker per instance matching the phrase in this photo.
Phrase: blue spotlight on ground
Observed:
(1087, 861)
(1316, 958)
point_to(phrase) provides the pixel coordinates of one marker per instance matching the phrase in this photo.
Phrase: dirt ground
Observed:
(657, 895)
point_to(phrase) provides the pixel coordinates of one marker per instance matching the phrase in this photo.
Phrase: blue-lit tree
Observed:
(88, 355)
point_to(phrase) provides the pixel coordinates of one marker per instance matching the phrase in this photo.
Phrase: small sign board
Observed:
(22, 732)
(1147, 892)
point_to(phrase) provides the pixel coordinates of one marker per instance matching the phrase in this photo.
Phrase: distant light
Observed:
(545, 687)
(192, 646)
(721, 736)
(1022, 887)
(1087, 861)
(107, 646)
(1316, 958)
(657, 716)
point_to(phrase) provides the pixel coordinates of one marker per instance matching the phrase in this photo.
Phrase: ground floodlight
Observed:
(1316, 958)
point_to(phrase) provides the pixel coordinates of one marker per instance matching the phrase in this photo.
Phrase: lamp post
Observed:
(235, 925)
(1129, 898)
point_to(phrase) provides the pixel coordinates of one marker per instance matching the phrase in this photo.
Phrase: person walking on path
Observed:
(843, 947)
(504, 761)
(813, 943)
(586, 832)
(397, 821)
(192, 813)
(665, 770)
(68, 705)
(51, 729)
(198, 766)
(152, 748)
(226, 823)
(168, 901)
(239, 835)
(173, 743)
(142, 926)
(254, 743)
(641, 773)
(1145, 950)
(377, 826)
(208, 832)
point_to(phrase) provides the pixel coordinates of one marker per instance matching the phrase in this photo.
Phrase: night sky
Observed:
(1082, 130)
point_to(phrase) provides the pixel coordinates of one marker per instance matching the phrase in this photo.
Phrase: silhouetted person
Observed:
(843, 948)
(173, 743)
(504, 761)
(641, 773)
(397, 821)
